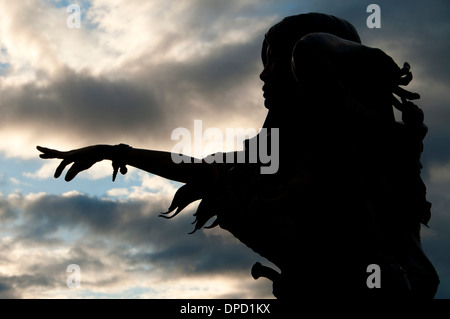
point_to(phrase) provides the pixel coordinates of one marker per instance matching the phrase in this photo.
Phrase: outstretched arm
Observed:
(155, 162)
(162, 164)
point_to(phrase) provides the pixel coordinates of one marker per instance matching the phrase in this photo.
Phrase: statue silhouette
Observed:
(348, 192)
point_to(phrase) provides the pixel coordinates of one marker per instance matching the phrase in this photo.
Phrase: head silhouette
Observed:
(280, 87)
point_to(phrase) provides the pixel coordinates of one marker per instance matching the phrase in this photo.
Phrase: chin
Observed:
(267, 103)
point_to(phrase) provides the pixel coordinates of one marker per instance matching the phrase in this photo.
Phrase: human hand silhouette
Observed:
(83, 159)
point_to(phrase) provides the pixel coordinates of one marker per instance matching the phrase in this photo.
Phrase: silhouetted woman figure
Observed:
(348, 192)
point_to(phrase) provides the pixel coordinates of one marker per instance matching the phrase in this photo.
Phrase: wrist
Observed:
(116, 153)
(120, 153)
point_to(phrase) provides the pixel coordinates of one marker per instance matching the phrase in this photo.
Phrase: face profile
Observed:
(279, 84)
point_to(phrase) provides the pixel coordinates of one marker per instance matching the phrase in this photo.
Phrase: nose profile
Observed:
(263, 75)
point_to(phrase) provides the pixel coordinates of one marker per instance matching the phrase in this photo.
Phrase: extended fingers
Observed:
(49, 153)
(76, 168)
(61, 168)
(67, 158)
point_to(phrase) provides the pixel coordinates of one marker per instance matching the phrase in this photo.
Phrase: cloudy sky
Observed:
(134, 72)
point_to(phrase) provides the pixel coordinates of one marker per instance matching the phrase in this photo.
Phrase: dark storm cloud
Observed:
(130, 225)
(145, 98)
(91, 108)
(222, 70)
(200, 255)
(102, 233)
(209, 79)
(7, 213)
(11, 287)
(48, 271)
(125, 221)
(7, 289)
(80, 104)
